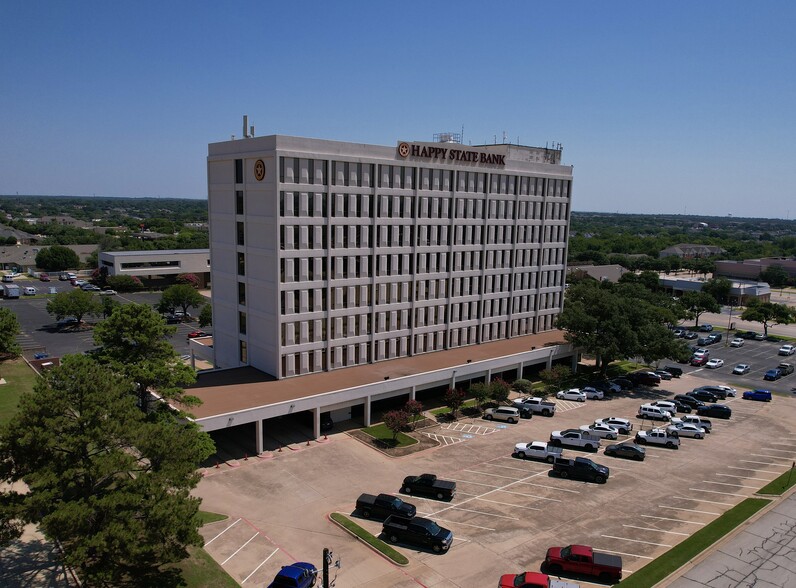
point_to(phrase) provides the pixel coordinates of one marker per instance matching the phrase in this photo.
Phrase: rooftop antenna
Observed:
(245, 126)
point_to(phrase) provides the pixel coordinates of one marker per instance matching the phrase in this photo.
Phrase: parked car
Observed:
(785, 369)
(623, 383)
(195, 334)
(606, 387)
(626, 450)
(714, 337)
(663, 374)
(90, 288)
(581, 559)
(704, 341)
(720, 411)
(690, 335)
(737, 342)
(624, 426)
(417, 531)
(538, 450)
(681, 406)
(508, 414)
(741, 369)
(572, 394)
(108, 292)
(429, 484)
(666, 405)
(714, 363)
(656, 413)
(703, 395)
(674, 370)
(678, 333)
(580, 468)
(532, 580)
(686, 430)
(172, 319)
(593, 393)
(384, 505)
(535, 405)
(601, 430)
(706, 328)
(720, 392)
(772, 375)
(746, 334)
(44, 277)
(29, 291)
(760, 395)
(699, 421)
(575, 438)
(658, 437)
(689, 400)
(699, 360)
(787, 349)
(298, 575)
(644, 378)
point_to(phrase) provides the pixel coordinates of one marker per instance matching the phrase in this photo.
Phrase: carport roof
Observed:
(245, 388)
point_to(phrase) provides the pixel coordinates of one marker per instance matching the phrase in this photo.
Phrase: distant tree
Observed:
(719, 288)
(396, 421)
(775, 275)
(9, 329)
(57, 258)
(768, 314)
(647, 278)
(414, 409)
(499, 390)
(11, 240)
(480, 392)
(180, 296)
(108, 306)
(206, 316)
(555, 378)
(522, 386)
(696, 304)
(191, 280)
(134, 342)
(77, 303)
(454, 398)
(111, 486)
(124, 283)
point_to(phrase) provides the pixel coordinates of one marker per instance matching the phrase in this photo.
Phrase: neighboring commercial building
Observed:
(394, 264)
(741, 291)
(609, 273)
(750, 269)
(22, 258)
(152, 266)
(691, 251)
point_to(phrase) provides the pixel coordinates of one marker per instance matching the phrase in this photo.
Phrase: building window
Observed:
(241, 264)
(241, 240)
(243, 352)
(238, 201)
(241, 293)
(238, 171)
(242, 323)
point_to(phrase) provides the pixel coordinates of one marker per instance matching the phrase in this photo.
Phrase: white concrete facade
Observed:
(156, 263)
(328, 255)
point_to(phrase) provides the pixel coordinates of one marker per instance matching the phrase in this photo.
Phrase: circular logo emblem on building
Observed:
(403, 149)
(259, 170)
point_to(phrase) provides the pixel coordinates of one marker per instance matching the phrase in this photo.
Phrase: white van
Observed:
(29, 291)
(656, 413)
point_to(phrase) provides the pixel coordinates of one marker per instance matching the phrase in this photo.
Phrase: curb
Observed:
(365, 543)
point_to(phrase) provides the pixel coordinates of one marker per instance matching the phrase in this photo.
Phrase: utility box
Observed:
(10, 291)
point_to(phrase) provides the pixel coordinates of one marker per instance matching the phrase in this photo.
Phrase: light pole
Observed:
(729, 325)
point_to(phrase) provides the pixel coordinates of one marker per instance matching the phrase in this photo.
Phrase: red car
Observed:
(699, 360)
(194, 334)
(532, 580)
(44, 277)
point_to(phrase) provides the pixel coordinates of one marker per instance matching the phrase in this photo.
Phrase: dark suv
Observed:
(417, 531)
(703, 395)
(689, 400)
(719, 393)
(718, 411)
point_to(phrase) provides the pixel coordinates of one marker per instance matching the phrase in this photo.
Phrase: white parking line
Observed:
(726, 484)
(465, 524)
(551, 487)
(656, 530)
(780, 450)
(469, 482)
(507, 504)
(711, 501)
(222, 532)
(751, 470)
(744, 477)
(239, 548)
(527, 471)
(768, 463)
(491, 474)
(676, 520)
(717, 492)
(635, 541)
(784, 444)
(261, 565)
(530, 495)
(689, 509)
(623, 553)
(489, 514)
(771, 456)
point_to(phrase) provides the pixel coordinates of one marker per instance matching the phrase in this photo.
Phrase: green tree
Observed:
(108, 306)
(396, 421)
(9, 329)
(555, 378)
(499, 390)
(696, 304)
(206, 316)
(775, 275)
(454, 398)
(134, 342)
(480, 392)
(180, 296)
(111, 486)
(77, 303)
(124, 283)
(768, 314)
(719, 288)
(57, 258)
(414, 408)
(191, 280)
(522, 386)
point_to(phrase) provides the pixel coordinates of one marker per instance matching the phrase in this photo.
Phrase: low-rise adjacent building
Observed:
(691, 251)
(158, 265)
(750, 269)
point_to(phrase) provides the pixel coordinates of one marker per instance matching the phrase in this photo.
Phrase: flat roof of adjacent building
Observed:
(155, 252)
(238, 389)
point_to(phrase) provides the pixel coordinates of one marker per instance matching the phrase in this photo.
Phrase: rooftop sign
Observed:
(444, 154)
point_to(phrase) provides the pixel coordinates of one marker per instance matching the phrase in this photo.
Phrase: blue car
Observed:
(760, 395)
(772, 375)
(299, 575)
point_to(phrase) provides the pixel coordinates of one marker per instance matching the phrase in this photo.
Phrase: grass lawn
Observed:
(658, 569)
(369, 538)
(201, 571)
(385, 436)
(20, 378)
(443, 410)
(780, 484)
(210, 517)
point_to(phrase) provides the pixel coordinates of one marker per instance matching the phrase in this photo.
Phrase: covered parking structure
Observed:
(242, 396)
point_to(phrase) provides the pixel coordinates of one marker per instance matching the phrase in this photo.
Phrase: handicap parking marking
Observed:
(443, 439)
(565, 405)
(469, 428)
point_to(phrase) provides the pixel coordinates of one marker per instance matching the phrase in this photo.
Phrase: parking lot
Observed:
(507, 511)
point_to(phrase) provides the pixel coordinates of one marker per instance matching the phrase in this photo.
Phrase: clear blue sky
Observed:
(662, 107)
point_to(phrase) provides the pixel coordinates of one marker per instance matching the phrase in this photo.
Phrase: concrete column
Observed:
(520, 367)
(489, 375)
(258, 428)
(316, 422)
(550, 361)
(412, 393)
(367, 411)
(575, 363)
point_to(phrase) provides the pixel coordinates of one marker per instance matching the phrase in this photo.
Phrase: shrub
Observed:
(125, 283)
(454, 398)
(499, 390)
(189, 279)
(523, 386)
(396, 421)
(480, 392)
(413, 408)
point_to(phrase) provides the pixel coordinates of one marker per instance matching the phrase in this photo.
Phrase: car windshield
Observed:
(565, 551)
(432, 527)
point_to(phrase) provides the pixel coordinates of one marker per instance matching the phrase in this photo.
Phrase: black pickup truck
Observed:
(384, 505)
(580, 468)
(429, 485)
(417, 531)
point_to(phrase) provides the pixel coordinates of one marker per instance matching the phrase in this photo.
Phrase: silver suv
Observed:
(503, 413)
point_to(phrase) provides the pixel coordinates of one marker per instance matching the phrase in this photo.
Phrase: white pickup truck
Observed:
(657, 437)
(536, 405)
(692, 419)
(575, 438)
(537, 450)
